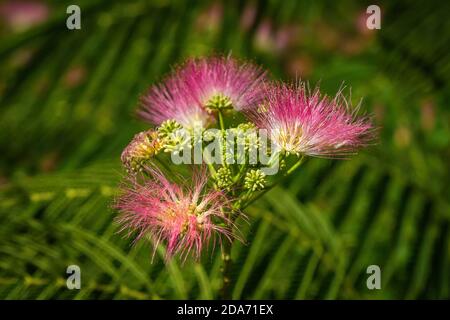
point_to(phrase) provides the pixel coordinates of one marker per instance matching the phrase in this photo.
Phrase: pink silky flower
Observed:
(199, 86)
(20, 14)
(305, 123)
(185, 217)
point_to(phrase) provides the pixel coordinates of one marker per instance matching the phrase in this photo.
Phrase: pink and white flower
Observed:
(193, 90)
(184, 216)
(306, 123)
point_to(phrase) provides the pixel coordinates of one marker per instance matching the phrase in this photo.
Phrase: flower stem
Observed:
(295, 166)
(225, 293)
(221, 121)
(208, 161)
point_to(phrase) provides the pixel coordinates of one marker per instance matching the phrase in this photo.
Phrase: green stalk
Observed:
(211, 168)
(227, 244)
(222, 129)
(221, 121)
(225, 293)
(295, 166)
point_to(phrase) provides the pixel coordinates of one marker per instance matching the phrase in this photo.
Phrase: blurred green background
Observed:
(66, 112)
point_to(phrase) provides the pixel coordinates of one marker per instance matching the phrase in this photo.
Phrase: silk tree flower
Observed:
(172, 100)
(185, 216)
(305, 123)
(142, 147)
(199, 86)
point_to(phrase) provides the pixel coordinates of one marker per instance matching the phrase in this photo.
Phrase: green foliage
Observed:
(312, 237)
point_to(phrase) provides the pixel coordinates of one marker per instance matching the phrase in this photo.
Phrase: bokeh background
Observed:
(66, 112)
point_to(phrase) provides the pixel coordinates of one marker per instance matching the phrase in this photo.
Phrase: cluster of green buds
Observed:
(248, 133)
(219, 102)
(255, 180)
(223, 178)
(174, 138)
(168, 137)
(235, 171)
(167, 128)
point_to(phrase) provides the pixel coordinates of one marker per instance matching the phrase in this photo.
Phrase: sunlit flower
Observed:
(142, 147)
(200, 86)
(305, 123)
(184, 216)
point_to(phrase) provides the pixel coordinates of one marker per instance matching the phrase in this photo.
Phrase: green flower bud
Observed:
(223, 178)
(177, 141)
(282, 164)
(246, 126)
(173, 136)
(167, 128)
(248, 134)
(219, 101)
(255, 180)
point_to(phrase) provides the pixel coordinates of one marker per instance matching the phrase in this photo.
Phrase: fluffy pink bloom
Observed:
(184, 216)
(306, 123)
(20, 15)
(187, 93)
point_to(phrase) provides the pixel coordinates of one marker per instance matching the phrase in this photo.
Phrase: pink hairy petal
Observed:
(183, 94)
(307, 123)
(183, 216)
